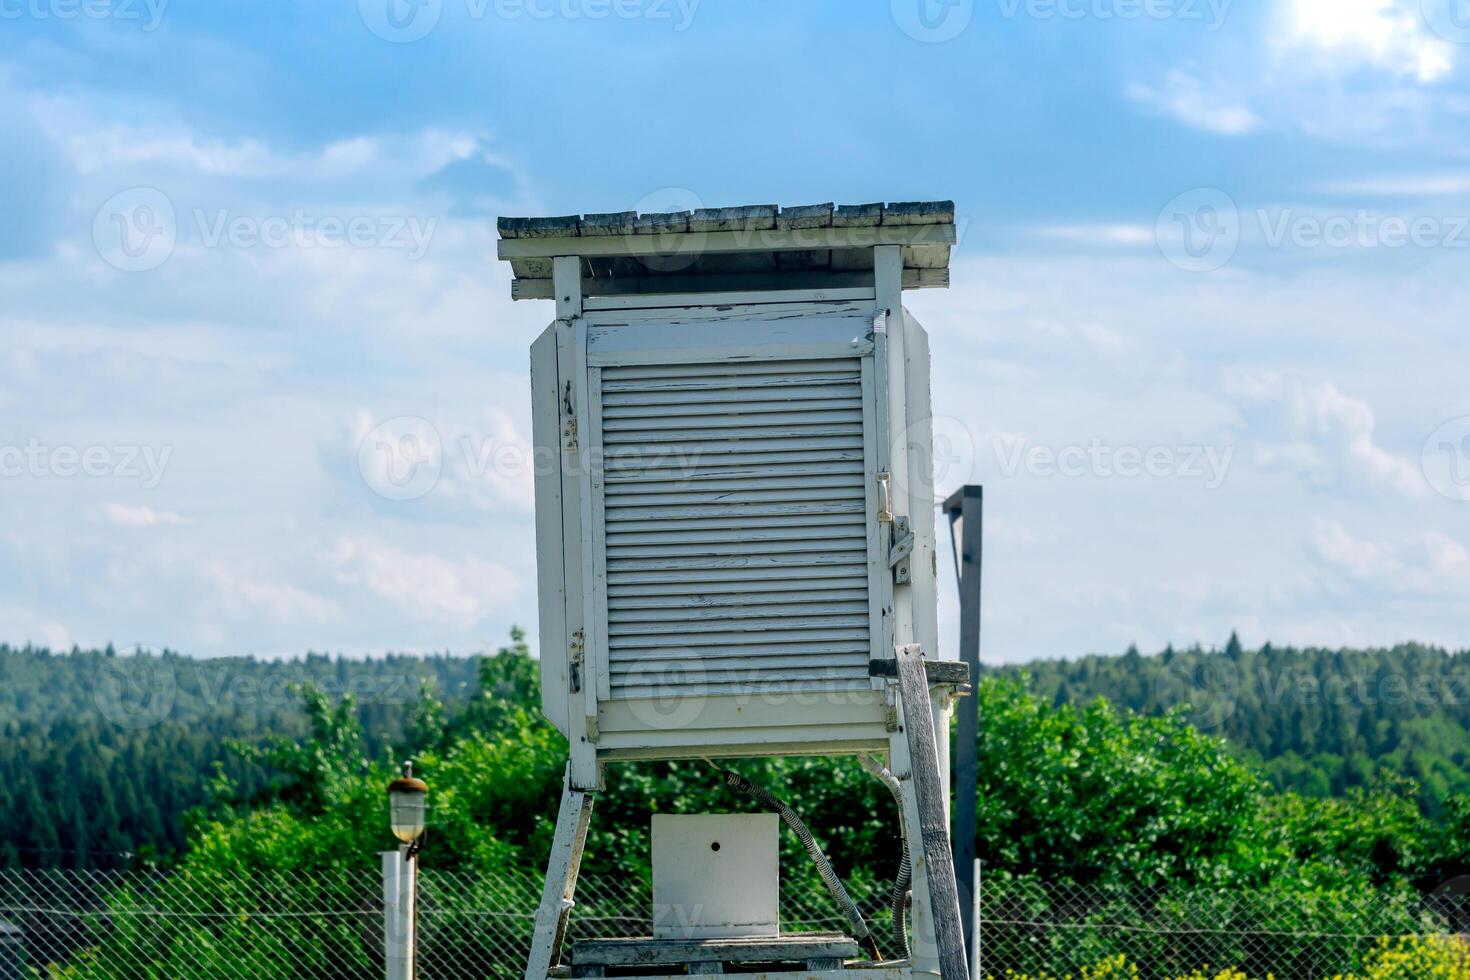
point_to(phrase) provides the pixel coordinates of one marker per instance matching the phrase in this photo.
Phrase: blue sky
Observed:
(1205, 347)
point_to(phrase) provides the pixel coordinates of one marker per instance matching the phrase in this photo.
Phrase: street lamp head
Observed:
(406, 804)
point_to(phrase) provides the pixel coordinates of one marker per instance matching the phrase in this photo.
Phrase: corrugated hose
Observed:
(824, 868)
(900, 898)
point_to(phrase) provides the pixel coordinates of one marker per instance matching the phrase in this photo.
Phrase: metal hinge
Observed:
(569, 426)
(901, 550)
(579, 649)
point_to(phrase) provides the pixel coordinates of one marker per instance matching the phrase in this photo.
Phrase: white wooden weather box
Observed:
(737, 517)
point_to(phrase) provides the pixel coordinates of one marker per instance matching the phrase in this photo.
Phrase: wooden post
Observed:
(562, 867)
(566, 278)
(933, 804)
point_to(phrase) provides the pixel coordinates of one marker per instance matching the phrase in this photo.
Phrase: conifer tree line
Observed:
(113, 758)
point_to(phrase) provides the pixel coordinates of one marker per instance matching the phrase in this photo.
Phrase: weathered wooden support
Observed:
(932, 797)
(562, 868)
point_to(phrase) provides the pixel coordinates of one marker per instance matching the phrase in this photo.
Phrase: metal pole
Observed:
(400, 895)
(966, 509)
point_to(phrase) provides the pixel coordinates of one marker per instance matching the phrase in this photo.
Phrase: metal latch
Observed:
(569, 427)
(885, 499)
(901, 550)
(579, 648)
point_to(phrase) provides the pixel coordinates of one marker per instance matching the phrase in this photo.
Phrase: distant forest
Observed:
(103, 755)
(1320, 722)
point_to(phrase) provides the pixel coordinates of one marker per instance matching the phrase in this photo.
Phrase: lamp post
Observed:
(407, 798)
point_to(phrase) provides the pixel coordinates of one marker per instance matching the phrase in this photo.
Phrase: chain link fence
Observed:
(149, 924)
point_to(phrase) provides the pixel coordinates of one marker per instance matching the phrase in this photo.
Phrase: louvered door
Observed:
(733, 519)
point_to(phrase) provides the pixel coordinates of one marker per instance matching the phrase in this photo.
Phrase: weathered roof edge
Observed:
(751, 217)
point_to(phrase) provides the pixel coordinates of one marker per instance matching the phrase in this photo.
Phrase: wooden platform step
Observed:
(817, 950)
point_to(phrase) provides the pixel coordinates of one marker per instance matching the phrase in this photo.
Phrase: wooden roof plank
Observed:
(564, 226)
(611, 223)
(919, 213)
(753, 217)
(857, 215)
(662, 223)
(805, 216)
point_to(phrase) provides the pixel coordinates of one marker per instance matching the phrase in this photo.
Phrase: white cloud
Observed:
(427, 586)
(1104, 234)
(244, 597)
(1323, 433)
(1185, 98)
(1429, 564)
(1422, 185)
(1386, 34)
(126, 515)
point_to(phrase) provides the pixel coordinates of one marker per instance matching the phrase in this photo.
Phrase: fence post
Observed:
(12, 951)
(977, 933)
(400, 895)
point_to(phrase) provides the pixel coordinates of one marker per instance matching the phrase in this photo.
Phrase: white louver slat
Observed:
(734, 515)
